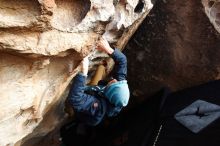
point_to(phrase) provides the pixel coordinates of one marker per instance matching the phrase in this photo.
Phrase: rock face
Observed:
(212, 10)
(41, 45)
(176, 46)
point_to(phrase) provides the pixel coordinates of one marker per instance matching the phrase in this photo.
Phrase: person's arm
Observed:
(78, 99)
(76, 94)
(120, 69)
(91, 107)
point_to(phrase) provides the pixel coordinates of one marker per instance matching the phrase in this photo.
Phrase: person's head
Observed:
(117, 92)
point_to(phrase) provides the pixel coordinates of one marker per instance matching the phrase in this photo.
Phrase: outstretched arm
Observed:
(77, 97)
(82, 102)
(120, 69)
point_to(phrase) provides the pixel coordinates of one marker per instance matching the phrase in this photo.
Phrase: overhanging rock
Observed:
(41, 45)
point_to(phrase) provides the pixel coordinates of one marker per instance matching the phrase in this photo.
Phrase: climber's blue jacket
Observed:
(91, 108)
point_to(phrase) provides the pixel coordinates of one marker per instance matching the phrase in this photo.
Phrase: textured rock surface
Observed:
(212, 10)
(41, 45)
(175, 46)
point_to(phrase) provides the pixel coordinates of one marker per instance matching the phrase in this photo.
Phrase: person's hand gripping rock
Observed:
(104, 46)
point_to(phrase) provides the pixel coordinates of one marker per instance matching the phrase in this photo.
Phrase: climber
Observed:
(92, 103)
